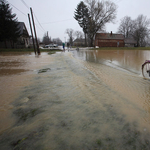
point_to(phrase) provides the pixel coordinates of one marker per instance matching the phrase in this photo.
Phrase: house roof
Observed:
(129, 41)
(109, 36)
(22, 29)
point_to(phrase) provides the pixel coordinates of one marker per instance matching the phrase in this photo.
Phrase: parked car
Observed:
(51, 45)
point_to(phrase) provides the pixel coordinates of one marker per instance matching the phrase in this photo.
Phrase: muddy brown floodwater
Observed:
(74, 100)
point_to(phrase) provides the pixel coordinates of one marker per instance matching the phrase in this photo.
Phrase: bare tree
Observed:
(57, 41)
(100, 13)
(126, 26)
(137, 29)
(78, 34)
(70, 33)
(141, 30)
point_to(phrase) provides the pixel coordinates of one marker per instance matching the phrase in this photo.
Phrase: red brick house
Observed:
(109, 40)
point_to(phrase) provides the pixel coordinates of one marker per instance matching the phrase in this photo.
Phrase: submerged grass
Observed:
(16, 144)
(44, 70)
(52, 52)
(25, 114)
(26, 141)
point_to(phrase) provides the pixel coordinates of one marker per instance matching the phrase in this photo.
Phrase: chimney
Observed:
(111, 33)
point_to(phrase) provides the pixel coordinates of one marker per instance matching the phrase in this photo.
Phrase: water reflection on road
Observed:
(126, 59)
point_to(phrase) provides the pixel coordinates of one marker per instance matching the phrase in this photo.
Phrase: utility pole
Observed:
(35, 32)
(32, 33)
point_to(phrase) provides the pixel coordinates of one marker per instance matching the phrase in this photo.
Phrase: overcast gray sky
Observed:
(55, 16)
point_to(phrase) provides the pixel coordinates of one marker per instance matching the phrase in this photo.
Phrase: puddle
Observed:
(11, 71)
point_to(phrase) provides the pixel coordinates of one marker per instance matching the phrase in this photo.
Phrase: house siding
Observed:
(110, 43)
(109, 40)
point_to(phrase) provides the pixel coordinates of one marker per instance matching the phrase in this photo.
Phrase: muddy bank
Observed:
(73, 104)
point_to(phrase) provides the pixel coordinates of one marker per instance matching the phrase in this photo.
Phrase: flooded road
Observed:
(130, 60)
(74, 100)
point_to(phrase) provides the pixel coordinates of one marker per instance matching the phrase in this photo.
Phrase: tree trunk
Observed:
(91, 41)
(85, 39)
(138, 43)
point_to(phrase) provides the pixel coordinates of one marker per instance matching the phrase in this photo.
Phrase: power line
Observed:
(25, 4)
(39, 28)
(57, 21)
(18, 9)
(38, 22)
(34, 14)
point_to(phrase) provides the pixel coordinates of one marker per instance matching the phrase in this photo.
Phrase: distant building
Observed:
(79, 42)
(109, 40)
(130, 42)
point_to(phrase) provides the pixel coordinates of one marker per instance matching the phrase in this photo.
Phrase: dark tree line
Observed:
(93, 15)
(9, 30)
(137, 29)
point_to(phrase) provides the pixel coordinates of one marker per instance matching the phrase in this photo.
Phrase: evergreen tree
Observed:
(9, 30)
(82, 16)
